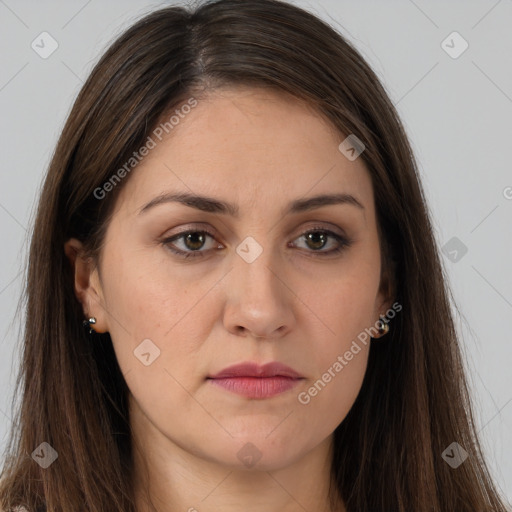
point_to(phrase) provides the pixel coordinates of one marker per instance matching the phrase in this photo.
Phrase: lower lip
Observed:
(257, 387)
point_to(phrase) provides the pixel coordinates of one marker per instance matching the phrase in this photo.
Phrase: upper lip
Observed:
(251, 369)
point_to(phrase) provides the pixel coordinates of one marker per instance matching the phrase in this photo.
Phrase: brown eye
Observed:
(317, 239)
(192, 243)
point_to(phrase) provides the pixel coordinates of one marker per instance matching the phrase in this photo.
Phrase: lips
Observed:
(250, 369)
(254, 381)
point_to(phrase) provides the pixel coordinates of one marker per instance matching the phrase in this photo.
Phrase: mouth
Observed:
(254, 381)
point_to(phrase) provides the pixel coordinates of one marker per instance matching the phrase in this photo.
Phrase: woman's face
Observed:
(263, 284)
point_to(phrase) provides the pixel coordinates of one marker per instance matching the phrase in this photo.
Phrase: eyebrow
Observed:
(212, 205)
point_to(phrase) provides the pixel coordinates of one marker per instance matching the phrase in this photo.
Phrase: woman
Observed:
(234, 297)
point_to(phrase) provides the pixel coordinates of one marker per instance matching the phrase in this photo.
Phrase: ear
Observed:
(384, 300)
(87, 284)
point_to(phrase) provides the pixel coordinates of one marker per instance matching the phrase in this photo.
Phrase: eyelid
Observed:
(318, 225)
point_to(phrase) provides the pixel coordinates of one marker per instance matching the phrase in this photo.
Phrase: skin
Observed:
(260, 150)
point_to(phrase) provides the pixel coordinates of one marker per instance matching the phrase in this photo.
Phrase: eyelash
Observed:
(344, 242)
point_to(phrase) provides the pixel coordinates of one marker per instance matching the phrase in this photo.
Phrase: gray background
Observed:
(457, 112)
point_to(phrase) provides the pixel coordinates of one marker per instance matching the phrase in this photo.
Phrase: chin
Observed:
(258, 451)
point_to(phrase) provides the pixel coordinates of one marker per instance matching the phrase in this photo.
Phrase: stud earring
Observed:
(384, 327)
(88, 324)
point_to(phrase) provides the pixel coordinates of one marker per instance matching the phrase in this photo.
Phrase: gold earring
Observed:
(384, 328)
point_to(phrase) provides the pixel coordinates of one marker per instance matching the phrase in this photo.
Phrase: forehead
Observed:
(251, 145)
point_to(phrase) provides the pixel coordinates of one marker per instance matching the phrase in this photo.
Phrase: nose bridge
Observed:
(256, 298)
(255, 269)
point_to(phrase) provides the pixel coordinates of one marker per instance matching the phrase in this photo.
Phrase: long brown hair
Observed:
(414, 400)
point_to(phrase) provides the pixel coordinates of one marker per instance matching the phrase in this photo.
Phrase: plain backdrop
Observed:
(456, 105)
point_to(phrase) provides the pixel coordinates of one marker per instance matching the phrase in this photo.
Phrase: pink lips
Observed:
(254, 381)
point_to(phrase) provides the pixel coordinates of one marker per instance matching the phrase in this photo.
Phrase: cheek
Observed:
(149, 299)
(341, 309)
(157, 338)
(327, 399)
(341, 345)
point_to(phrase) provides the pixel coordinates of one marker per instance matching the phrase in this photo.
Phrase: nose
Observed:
(259, 300)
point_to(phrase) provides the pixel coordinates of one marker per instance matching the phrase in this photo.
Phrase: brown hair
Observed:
(414, 400)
